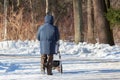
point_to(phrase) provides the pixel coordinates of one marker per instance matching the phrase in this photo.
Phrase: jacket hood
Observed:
(49, 19)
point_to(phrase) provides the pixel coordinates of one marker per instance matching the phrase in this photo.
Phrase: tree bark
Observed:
(77, 6)
(103, 28)
(5, 19)
(108, 3)
(47, 6)
(90, 33)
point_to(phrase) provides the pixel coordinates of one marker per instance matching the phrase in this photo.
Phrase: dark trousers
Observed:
(46, 62)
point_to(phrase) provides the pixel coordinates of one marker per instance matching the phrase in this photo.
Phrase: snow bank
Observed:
(70, 48)
(90, 50)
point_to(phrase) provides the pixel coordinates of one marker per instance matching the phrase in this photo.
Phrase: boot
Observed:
(42, 69)
(49, 65)
(43, 63)
(49, 70)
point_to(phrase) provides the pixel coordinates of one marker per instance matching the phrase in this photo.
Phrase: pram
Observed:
(57, 64)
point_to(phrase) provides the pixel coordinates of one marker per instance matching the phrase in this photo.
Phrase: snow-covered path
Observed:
(28, 68)
(20, 60)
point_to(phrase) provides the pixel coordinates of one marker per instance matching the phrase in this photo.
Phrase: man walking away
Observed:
(48, 35)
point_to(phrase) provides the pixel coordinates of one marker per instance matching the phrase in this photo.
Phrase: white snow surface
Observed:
(20, 60)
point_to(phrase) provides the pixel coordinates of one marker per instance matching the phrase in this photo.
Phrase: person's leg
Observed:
(43, 63)
(49, 64)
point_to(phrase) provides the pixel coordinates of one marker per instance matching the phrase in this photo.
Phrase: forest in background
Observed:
(23, 17)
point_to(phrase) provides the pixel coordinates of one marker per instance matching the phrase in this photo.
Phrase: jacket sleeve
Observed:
(57, 34)
(38, 34)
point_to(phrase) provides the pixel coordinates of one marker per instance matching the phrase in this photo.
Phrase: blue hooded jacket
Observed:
(48, 35)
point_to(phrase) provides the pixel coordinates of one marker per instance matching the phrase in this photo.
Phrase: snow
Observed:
(20, 60)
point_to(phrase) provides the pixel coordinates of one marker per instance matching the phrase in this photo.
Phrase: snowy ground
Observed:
(21, 61)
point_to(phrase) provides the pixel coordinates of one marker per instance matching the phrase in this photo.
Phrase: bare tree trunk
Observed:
(47, 6)
(108, 3)
(18, 3)
(53, 9)
(90, 33)
(103, 27)
(77, 6)
(32, 17)
(5, 19)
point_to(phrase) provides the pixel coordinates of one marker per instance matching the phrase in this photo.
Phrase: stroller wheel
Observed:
(61, 70)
